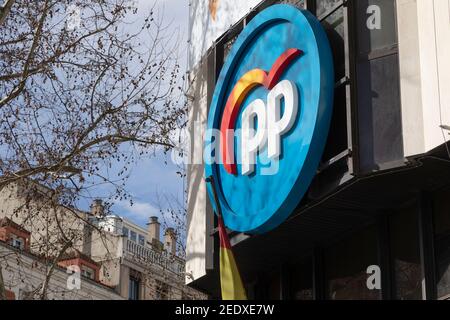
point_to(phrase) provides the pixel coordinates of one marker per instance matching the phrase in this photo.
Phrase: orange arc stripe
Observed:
(240, 91)
(249, 81)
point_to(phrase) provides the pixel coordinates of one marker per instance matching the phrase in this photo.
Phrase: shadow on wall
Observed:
(199, 215)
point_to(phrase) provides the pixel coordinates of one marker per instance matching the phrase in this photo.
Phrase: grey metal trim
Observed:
(211, 242)
(351, 89)
(342, 82)
(344, 154)
(379, 53)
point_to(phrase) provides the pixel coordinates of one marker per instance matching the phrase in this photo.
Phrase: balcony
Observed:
(149, 256)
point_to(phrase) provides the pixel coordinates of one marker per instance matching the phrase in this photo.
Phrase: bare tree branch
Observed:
(78, 107)
(4, 11)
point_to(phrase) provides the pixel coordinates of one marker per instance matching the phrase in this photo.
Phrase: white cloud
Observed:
(140, 211)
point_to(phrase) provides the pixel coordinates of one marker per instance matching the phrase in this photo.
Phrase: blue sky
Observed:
(156, 175)
(153, 176)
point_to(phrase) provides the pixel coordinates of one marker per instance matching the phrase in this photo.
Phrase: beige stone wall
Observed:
(153, 278)
(47, 223)
(106, 249)
(23, 273)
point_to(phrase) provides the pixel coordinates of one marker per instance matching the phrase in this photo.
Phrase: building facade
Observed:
(375, 221)
(23, 272)
(141, 265)
(112, 257)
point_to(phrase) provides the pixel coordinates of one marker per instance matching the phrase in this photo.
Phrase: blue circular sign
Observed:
(278, 79)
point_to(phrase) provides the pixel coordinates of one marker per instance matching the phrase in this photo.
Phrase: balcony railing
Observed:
(147, 255)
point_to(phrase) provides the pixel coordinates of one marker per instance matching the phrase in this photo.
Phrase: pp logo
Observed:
(271, 123)
(272, 105)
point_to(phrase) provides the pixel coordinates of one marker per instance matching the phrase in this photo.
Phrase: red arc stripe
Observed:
(253, 78)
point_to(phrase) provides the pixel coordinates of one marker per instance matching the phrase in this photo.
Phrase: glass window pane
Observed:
(133, 236)
(334, 27)
(376, 25)
(88, 272)
(125, 232)
(404, 237)
(346, 267)
(141, 240)
(133, 290)
(442, 242)
(379, 113)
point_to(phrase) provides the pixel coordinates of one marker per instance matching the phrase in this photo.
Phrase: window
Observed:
(346, 267)
(334, 26)
(141, 240)
(133, 236)
(378, 85)
(441, 223)
(375, 78)
(381, 35)
(405, 250)
(17, 242)
(125, 232)
(88, 272)
(133, 290)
